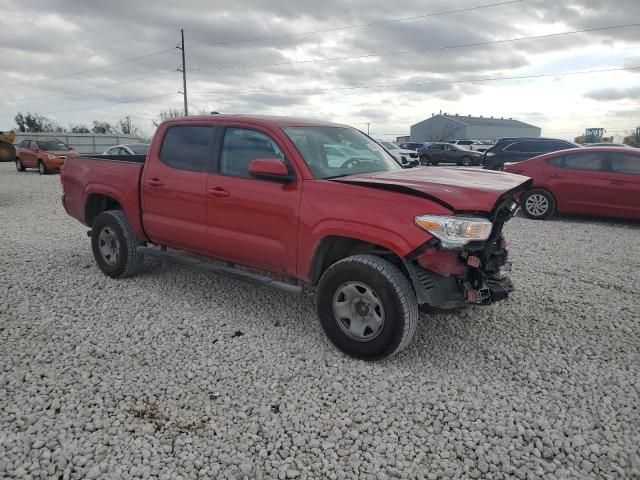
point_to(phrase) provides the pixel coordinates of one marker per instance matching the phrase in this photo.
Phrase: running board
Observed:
(233, 272)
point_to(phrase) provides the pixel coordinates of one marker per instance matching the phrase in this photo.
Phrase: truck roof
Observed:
(273, 120)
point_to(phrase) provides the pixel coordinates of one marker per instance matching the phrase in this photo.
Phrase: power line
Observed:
(419, 84)
(80, 72)
(349, 27)
(422, 50)
(154, 75)
(111, 104)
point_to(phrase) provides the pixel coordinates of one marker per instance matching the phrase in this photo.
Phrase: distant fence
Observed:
(83, 142)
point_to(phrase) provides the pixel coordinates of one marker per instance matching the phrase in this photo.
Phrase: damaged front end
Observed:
(449, 276)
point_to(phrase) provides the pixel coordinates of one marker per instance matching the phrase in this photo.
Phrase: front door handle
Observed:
(555, 176)
(155, 182)
(218, 192)
(618, 182)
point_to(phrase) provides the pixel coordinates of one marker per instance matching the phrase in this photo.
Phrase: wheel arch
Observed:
(96, 204)
(333, 248)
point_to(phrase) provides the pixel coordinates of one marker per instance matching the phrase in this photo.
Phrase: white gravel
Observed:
(151, 377)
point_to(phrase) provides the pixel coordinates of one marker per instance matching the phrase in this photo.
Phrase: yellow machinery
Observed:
(7, 150)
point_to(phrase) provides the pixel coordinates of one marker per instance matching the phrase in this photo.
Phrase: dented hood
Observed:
(459, 189)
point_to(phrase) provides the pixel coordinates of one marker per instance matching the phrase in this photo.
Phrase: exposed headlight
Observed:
(454, 232)
(51, 157)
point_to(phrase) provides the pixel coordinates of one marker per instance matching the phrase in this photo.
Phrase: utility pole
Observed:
(184, 75)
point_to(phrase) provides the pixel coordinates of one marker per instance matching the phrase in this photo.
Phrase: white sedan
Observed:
(128, 149)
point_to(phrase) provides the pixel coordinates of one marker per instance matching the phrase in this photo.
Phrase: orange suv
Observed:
(45, 155)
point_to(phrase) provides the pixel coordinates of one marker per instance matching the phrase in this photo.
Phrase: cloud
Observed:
(612, 93)
(38, 41)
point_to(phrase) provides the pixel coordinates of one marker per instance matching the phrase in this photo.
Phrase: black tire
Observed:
(19, 165)
(425, 160)
(466, 161)
(125, 259)
(538, 204)
(391, 289)
(42, 168)
(7, 152)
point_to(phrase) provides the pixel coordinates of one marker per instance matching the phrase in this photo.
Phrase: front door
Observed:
(174, 187)
(252, 222)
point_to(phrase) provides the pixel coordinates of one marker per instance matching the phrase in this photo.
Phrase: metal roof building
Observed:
(444, 127)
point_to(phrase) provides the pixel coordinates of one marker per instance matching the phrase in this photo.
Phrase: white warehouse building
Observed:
(444, 127)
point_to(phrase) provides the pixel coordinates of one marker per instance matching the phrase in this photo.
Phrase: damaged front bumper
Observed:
(476, 275)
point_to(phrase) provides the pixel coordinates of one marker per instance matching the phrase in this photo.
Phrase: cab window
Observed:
(188, 147)
(241, 146)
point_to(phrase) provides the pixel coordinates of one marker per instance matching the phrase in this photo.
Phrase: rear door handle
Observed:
(218, 192)
(155, 182)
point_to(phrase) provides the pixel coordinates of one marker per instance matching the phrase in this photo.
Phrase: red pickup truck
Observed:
(262, 194)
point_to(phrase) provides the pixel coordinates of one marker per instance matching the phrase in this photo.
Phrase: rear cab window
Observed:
(188, 147)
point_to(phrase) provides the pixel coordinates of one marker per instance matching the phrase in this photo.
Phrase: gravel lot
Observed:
(180, 374)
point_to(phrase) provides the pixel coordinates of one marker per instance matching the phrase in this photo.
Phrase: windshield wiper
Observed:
(337, 176)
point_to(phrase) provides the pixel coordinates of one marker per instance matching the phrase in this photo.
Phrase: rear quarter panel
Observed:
(372, 215)
(119, 180)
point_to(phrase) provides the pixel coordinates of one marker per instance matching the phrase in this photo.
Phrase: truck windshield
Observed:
(333, 152)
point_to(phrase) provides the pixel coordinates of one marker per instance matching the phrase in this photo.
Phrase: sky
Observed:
(372, 64)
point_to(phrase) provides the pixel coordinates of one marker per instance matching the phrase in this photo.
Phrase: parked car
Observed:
(516, 149)
(440, 152)
(128, 149)
(604, 144)
(476, 145)
(45, 155)
(377, 240)
(412, 145)
(589, 181)
(407, 158)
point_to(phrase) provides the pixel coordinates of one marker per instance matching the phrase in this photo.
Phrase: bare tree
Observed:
(167, 114)
(126, 127)
(33, 122)
(79, 129)
(102, 127)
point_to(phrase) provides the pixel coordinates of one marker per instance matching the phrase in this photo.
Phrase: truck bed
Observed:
(118, 176)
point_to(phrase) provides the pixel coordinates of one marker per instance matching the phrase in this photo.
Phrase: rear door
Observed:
(29, 156)
(174, 187)
(580, 182)
(252, 221)
(625, 183)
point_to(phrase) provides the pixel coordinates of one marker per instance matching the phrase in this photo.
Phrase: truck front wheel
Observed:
(367, 307)
(115, 245)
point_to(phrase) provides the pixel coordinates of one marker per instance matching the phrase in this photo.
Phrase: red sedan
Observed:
(587, 181)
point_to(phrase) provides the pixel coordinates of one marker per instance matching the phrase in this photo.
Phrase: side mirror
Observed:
(272, 169)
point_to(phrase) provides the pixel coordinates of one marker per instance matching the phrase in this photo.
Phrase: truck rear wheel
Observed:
(367, 307)
(114, 245)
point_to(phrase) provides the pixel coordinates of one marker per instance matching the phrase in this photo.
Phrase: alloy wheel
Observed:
(537, 204)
